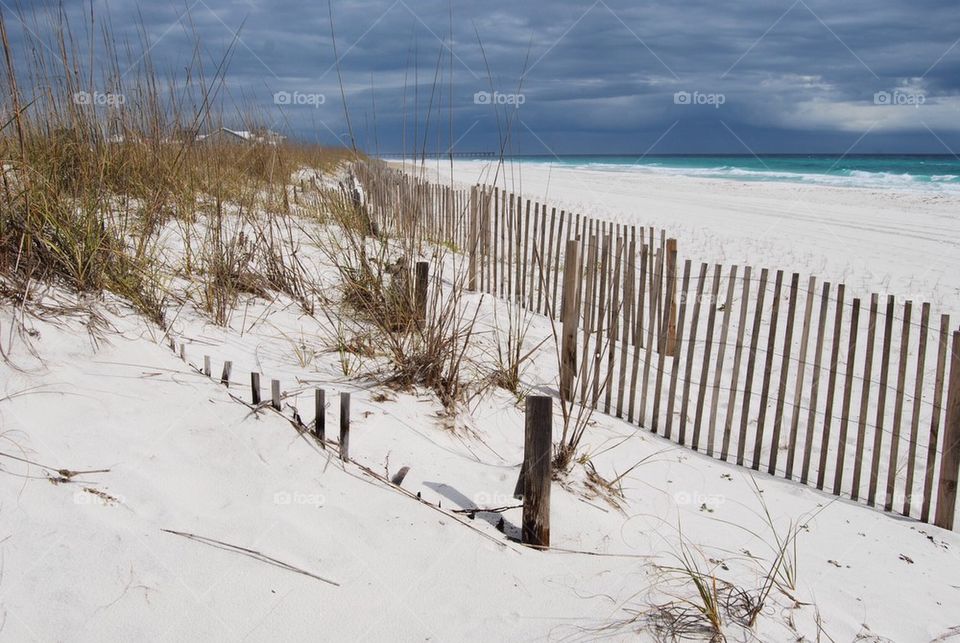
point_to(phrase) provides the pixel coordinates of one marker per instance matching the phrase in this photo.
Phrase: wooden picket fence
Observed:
(859, 397)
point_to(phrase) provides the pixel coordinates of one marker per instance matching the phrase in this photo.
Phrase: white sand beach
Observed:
(905, 243)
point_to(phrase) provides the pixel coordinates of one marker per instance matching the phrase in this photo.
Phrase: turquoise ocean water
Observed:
(939, 173)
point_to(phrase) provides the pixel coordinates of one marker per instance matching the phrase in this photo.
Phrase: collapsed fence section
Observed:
(859, 397)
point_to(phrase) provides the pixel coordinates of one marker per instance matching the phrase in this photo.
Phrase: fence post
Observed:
(473, 237)
(275, 394)
(345, 426)
(570, 315)
(320, 416)
(225, 375)
(420, 293)
(950, 461)
(255, 387)
(669, 313)
(537, 474)
(206, 365)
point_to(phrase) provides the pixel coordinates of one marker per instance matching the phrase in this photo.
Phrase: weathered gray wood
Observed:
(881, 403)
(917, 402)
(751, 366)
(588, 313)
(801, 371)
(554, 309)
(255, 388)
(831, 388)
(345, 426)
(655, 295)
(705, 368)
(950, 458)
(614, 324)
(206, 365)
(420, 291)
(935, 418)
(571, 317)
(602, 294)
(721, 353)
(637, 329)
(815, 384)
(735, 374)
(537, 474)
(544, 292)
(320, 416)
(669, 315)
(864, 400)
(847, 392)
(898, 407)
(628, 284)
(691, 350)
(225, 374)
(275, 394)
(784, 373)
(767, 370)
(675, 365)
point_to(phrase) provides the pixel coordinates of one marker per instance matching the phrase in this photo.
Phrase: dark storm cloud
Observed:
(604, 76)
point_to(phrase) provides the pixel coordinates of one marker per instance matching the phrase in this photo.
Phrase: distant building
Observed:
(228, 135)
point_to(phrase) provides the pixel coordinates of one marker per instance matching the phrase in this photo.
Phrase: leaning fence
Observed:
(859, 397)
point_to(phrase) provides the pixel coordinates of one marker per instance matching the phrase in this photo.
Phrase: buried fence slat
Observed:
(602, 293)
(255, 388)
(614, 326)
(320, 416)
(225, 375)
(651, 329)
(721, 352)
(815, 384)
(737, 357)
(675, 365)
(801, 368)
(881, 403)
(345, 426)
(847, 392)
(898, 407)
(275, 394)
(537, 474)
(917, 397)
(637, 330)
(831, 387)
(751, 366)
(691, 350)
(950, 456)
(705, 369)
(784, 373)
(570, 313)
(935, 419)
(206, 365)
(864, 400)
(767, 370)
(628, 283)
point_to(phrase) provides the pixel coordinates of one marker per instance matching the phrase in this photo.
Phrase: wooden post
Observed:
(420, 293)
(950, 460)
(225, 375)
(570, 315)
(537, 454)
(345, 426)
(183, 351)
(275, 394)
(320, 416)
(206, 365)
(255, 388)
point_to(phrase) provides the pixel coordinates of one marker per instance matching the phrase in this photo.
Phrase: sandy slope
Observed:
(183, 455)
(898, 242)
